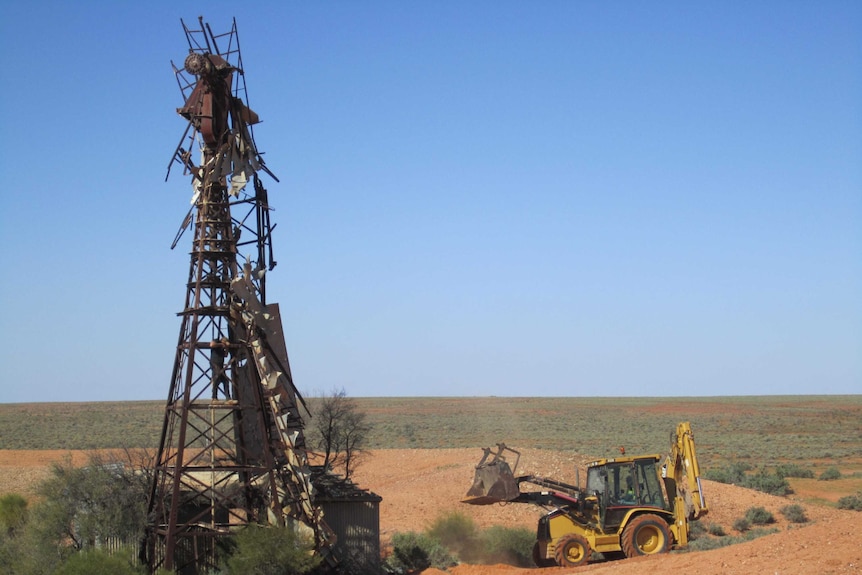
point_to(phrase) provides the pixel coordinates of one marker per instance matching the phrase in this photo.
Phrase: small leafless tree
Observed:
(342, 430)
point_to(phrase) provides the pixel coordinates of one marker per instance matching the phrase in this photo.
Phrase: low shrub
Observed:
(96, 562)
(830, 474)
(717, 530)
(762, 480)
(457, 533)
(759, 516)
(794, 470)
(460, 537)
(708, 543)
(453, 537)
(509, 545)
(13, 512)
(733, 473)
(696, 529)
(767, 483)
(417, 551)
(794, 513)
(742, 525)
(851, 502)
(271, 551)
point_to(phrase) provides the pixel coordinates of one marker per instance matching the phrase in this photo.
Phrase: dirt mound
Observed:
(418, 485)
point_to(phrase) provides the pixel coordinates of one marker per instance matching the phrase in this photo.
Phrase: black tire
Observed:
(572, 550)
(613, 555)
(646, 535)
(539, 560)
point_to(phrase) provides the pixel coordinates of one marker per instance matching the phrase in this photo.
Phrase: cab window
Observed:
(647, 484)
(596, 480)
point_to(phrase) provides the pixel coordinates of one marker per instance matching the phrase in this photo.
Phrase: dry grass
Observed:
(820, 431)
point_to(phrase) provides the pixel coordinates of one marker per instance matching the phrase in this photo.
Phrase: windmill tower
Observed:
(232, 449)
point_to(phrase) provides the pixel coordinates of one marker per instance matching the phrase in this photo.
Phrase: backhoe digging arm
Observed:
(681, 472)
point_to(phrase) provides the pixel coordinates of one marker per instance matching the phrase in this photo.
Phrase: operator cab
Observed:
(622, 484)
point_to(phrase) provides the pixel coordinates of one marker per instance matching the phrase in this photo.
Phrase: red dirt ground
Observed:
(418, 485)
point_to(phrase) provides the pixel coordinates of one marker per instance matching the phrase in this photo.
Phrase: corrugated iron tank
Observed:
(353, 514)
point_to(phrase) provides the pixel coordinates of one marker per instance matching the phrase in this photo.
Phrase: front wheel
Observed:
(572, 550)
(646, 535)
(539, 559)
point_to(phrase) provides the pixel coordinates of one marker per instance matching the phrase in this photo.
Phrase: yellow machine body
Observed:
(630, 505)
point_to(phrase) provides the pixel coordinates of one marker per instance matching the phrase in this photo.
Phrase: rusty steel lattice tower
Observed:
(232, 449)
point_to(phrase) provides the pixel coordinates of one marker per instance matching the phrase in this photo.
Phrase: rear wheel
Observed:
(646, 535)
(572, 550)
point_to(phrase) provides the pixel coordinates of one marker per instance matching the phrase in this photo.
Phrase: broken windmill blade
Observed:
(220, 121)
(232, 447)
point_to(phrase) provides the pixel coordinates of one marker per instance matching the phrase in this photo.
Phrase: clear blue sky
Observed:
(476, 198)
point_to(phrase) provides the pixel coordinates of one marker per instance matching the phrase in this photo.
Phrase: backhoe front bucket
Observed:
(494, 481)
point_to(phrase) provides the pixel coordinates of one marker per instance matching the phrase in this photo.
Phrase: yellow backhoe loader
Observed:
(631, 505)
